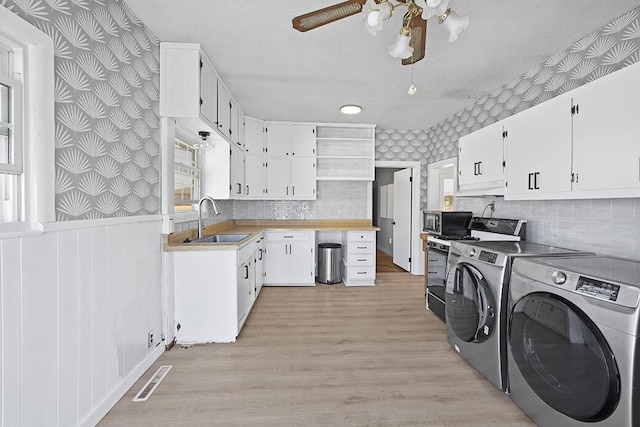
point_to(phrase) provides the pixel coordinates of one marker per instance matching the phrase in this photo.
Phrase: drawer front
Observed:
(360, 259)
(361, 272)
(362, 248)
(361, 236)
(287, 235)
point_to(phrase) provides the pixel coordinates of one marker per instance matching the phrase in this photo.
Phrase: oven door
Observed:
(436, 278)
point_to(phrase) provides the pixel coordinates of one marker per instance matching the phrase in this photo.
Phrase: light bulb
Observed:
(401, 48)
(374, 18)
(433, 3)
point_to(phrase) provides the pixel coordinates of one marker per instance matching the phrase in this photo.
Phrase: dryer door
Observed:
(564, 357)
(470, 304)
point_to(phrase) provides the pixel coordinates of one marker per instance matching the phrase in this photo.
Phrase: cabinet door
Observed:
(301, 262)
(259, 269)
(246, 289)
(234, 131)
(607, 132)
(224, 111)
(290, 258)
(481, 156)
(254, 136)
(254, 175)
(303, 178)
(278, 139)
(180, 80)
(303, 140)
(538, 151)
(208, 92)
(237, 171)
(277, 177)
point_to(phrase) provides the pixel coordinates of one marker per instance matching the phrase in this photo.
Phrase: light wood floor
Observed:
(384, 263)
(325, 356)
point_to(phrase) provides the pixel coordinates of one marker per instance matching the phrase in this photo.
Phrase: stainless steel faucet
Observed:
(215, 209)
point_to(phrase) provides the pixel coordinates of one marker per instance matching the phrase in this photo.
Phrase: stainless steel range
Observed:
(438, 251)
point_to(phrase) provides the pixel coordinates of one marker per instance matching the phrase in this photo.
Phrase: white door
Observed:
(402, 181)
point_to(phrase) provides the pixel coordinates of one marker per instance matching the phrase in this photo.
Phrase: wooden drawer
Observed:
(361, 236)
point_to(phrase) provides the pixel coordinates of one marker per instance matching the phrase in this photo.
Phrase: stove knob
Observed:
(559, 277)
(472, 252)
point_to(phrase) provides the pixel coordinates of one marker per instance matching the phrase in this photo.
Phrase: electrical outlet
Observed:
(150, 339)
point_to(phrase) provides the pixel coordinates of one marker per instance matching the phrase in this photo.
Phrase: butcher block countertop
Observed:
(175, 241)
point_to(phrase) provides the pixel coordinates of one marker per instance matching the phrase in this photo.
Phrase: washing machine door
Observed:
(564, 357)
(470, 304)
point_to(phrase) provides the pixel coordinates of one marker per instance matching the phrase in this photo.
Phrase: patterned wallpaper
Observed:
(614, 46)
(106, 106)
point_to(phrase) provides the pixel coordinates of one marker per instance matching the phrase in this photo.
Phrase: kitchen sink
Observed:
(219, 238)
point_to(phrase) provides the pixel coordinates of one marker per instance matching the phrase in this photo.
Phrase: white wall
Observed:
(77, 302)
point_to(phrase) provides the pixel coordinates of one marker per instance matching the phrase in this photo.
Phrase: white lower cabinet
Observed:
(290, 258)
(359, 258)
(214, 291)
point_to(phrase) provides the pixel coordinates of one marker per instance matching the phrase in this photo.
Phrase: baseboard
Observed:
(101, 410)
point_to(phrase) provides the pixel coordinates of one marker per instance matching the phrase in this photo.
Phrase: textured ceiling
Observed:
(277, 73)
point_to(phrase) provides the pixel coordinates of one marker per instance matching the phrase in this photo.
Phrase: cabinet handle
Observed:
(239, 188)
(293, 190)
(288, 237)
(361, 272)
(475, 169)
(361, 260)
(290, 251)
(535, 180)
(247, 190)
(361, 247)
(530, 185)
(287, 190)
(260, 259)
(246, 271)
(479, 168)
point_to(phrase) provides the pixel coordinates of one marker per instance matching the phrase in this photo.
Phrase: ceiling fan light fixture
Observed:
(401, 48)
(376, 14)
(454, 23)
(432, 8)
(350, 109)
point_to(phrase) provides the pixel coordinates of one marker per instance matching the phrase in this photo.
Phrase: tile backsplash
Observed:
(335, 200)
(604, 226)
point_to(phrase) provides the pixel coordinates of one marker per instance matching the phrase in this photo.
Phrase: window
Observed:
(27, 126)
(187, 175)
(11, 167)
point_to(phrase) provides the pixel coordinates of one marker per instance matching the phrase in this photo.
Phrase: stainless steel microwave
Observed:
(447, 223)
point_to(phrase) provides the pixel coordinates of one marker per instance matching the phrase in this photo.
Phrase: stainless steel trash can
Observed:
(329, 260)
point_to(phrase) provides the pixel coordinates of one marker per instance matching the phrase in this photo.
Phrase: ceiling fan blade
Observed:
(418, 40)
(320, 17)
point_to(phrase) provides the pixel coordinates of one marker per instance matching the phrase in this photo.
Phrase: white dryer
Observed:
(572, 340)
(475, 295)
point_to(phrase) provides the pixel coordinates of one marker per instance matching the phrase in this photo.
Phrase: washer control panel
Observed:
(489, 257)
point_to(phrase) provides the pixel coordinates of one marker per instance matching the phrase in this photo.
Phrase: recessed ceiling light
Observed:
(350, 109)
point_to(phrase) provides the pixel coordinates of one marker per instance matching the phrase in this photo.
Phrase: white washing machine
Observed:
(475, 296)
(572, 340)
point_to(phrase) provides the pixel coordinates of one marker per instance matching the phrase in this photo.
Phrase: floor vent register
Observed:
(152, 384)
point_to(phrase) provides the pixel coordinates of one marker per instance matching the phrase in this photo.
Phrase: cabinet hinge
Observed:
(504, 164)
(201, 64)
(506, 183)
(575, 109)
(574, 177)
(200, 101)
(410, 179)
(409, 260)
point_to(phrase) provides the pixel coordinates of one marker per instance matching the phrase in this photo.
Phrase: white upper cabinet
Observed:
(286, 139)
(224, 111)
(188, 83)
(254, 179)
(480, 159)
(254, 136)
(607, 135)
(538, 151)
(290, 161)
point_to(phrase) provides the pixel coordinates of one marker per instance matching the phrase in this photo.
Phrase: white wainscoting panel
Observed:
(76, 305)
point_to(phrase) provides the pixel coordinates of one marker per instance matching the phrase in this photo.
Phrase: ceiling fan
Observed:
(410, 44)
